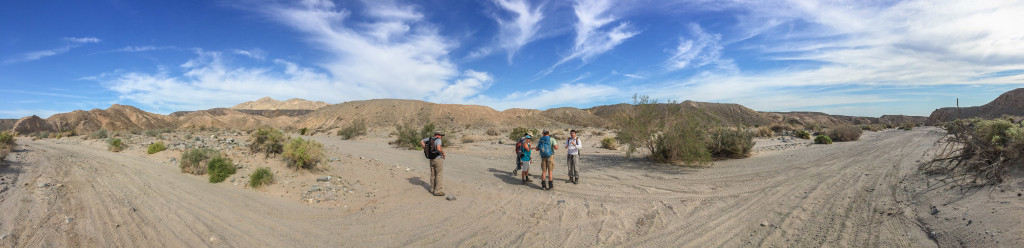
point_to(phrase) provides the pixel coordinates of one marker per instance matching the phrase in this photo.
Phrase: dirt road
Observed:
(845, 194)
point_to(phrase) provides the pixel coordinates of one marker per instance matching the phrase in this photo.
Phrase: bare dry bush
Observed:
(845, 133)
(978, 152)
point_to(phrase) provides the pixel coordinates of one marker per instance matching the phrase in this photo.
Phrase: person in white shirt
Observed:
(573, 145)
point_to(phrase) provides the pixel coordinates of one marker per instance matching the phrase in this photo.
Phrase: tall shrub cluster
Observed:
(845, 133)
(356, 129)
(268, 140)
(7, 144)
(982, 150)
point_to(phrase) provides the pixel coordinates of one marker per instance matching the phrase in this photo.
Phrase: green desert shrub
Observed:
(609, 143)
(802, 134)
(907, 126)
(682, 143)
(845, 133)
(7, 144)
(993, 131)
(303, 131)
(822, 139)
(730, 143)
(267, 140)
(98, 134)
(409, 137)
(115, 145)
(778, 128)
(303, 154)
(261, 177)
(220, 168)
(193, 160)
(156, 147)
(519, 132)
(356, 129)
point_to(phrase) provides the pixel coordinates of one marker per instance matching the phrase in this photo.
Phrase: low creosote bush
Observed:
(98, 134)
(845, 133)
(730, 143)
(802, 134)
(303, 131)
(303, 154)
(765, 132)
(519, 132)
(220, 168)
(609, 143)
(115, 145)
(192, 160)
(261, 177)
(267, 140)
(156, 147)
(822, 139)
(7, 143)
(356, 129)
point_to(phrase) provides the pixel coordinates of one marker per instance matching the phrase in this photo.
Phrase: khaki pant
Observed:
(547, 164)
(572, 162)
(436, 173)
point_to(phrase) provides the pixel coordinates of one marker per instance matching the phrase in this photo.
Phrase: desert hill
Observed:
(268, 103)
(7, 124)
(1009, 103)
(116, 117)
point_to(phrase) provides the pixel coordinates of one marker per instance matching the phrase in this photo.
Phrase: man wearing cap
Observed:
(436, 164)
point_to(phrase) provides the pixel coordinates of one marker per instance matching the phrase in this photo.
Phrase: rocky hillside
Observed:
(116, 117)
(7, 124)
(1009, 103)
(229, 118)
(268, 103)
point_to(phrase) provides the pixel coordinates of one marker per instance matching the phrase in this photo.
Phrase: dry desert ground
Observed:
(867, 193)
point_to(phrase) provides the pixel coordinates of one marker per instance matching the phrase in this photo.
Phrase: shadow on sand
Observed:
(420, 182)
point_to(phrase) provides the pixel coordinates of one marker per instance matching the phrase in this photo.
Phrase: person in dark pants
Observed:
(436, 163)
(573, 145)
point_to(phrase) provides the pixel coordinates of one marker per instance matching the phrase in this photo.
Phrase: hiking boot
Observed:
(514, 172)
(524, 181)
(551, 185)
(544, 185)
(576, 181)
(528, 179)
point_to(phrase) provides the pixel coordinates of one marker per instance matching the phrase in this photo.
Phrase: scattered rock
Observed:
(764, 224)
(332, 159)
(969, 222)
(43, 185)
(324, 179)
(69, 219)
(561, 201)
(450, 197)
(213, 239)
(934, 210)
(1018, 194)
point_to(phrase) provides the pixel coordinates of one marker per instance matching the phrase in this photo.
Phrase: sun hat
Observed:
(438, 133)
(529, 137)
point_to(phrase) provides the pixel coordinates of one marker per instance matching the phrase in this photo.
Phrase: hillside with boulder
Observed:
(1010, 103)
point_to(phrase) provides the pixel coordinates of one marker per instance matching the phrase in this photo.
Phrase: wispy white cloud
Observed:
(699, 50)
(597, 30)
(133, 49)
(83, 39)
(570, 94)
(254, 53)
(854, 44)
(521, 29)
(630, 75)
(36, 55)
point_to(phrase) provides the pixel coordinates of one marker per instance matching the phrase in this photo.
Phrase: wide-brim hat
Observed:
(529, 137)
(439, 133)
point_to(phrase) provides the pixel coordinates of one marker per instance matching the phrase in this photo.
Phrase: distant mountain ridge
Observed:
(267, 103)
(1009, 103)
(388, 113)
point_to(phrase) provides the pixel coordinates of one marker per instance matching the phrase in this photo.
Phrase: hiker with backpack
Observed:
(432, 150)
(519, 155)
(572, 146)
(546, 148)
(524, 157)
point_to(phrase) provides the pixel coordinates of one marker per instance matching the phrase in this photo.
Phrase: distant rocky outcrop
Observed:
(7, 124)
(116, 117)
(31, 124)
(268, 103)
(1009, 103)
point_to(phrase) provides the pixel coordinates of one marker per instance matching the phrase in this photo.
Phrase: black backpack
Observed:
(430, 149)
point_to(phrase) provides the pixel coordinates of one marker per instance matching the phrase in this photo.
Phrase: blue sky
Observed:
(864, 58)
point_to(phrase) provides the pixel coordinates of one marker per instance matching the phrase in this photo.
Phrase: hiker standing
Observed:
(432, 149)
(524, 159)
(519, 155)
(572, 146)
(547, 163)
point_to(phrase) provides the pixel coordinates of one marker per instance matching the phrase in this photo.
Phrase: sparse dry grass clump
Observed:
(193, 160)
(268, 140)
(356, 129)
(822, 139)
(845, 133)
(493, 132)
(303, 154)
(220, 168)
(730, 143)
(609, 143)
(979, 152)
(469, 139)
(872, 127)
(907, 126)
(261, 177)
(7, 144)
(765, 132)
(115, 145)
(156, 147)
